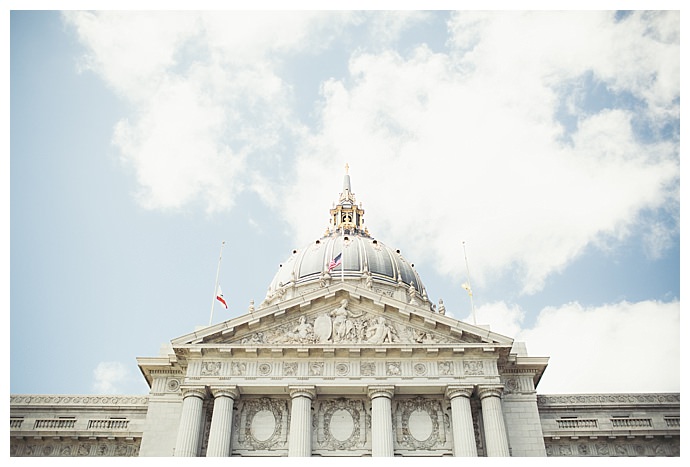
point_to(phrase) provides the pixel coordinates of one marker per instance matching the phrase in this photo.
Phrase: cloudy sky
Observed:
(547, 142)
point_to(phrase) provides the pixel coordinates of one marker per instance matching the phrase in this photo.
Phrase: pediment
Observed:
(343, 315)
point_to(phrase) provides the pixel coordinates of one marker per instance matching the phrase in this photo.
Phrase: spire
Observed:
(347, 194)
(346, 216)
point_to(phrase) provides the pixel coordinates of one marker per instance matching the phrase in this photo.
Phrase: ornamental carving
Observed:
(614, 399)
(210, 368)
(342, 369)
(289, 368)
(613, 448)
(341, 424)
(473, 367)
(265, 369)
(315, 368)
(420, 369)
(367, 368)
(445, 368)
(342, 325)
(239, 368)
(393, 369)
(261, 424)
(172, 385)
(420, 424)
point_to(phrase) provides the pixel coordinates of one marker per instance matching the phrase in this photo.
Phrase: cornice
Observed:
(614, 400)
(77, 400)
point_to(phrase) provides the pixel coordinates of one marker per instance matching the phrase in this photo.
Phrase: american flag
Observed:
(335, 262)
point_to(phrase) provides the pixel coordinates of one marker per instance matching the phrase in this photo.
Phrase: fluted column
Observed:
(381, 421)
(464, 444)
(187, 444)
(299, 444)
(221, 422)
(494, 425)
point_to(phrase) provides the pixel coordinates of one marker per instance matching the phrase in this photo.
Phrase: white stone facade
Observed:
(344, 358)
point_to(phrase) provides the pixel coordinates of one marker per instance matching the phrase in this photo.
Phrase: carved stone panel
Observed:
(421, 423)
(341, 424)
(261, 424)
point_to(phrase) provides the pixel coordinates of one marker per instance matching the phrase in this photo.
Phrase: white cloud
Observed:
(619, 347)
(208, 105)
(468, 146)
(111, 377)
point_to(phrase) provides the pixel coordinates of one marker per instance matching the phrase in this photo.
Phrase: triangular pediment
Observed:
(343, 315)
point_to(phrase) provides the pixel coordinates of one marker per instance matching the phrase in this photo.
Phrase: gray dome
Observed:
(363, 259)
(359, 255)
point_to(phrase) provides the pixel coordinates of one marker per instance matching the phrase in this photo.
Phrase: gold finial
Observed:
(347, 168)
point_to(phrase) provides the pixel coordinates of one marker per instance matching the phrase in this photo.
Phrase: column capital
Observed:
(459, 390)
(302, 391)
(225, 391)
(489, 390)
(381, 391)
(193, 391)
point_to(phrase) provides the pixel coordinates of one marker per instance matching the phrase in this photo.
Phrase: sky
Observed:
(534, 153)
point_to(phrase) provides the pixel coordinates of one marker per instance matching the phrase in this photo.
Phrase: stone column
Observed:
(381, 421)
(189, 431)
(464, 444)
(221, 422)
(494, 425)
(299, 444)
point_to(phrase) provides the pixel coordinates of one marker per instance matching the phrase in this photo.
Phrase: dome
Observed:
(346, 252)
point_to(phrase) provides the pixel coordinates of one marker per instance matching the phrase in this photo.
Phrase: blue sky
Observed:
(547, 142)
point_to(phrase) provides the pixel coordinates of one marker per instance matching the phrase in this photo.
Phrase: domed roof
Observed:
(346, 252)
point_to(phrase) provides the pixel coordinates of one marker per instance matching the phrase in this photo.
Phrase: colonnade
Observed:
(300, 434)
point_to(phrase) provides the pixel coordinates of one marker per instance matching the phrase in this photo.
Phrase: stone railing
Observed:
(55, 424)
(575, 423)
(672, 422)
(108, 424)
(631, 422)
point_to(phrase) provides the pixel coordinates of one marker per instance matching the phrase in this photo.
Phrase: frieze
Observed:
(615, 448)
(613, 399)
(73, 448)
(77, 400)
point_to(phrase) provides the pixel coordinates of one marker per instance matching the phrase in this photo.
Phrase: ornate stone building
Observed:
(346, 356)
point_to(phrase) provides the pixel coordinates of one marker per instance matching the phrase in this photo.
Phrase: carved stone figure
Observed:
(342, 324)
(380, 331)
(441, 307)
(325, 279)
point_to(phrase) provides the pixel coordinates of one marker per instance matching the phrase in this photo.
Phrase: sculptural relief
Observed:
(342, 325)
(419, 424)
(261, 423)
(340, 424)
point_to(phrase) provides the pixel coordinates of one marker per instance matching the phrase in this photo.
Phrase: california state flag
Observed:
(219, 297)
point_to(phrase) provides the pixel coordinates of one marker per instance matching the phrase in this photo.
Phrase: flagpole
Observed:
(469, 285)
(215, 289)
